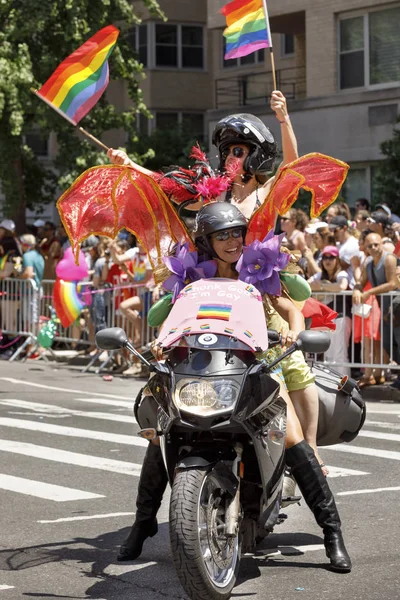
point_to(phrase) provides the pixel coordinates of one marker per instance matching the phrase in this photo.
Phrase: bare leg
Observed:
(305, 403)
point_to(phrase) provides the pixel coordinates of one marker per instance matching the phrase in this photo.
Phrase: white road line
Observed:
(70, 458)
(88, 434)
(375, 452)
(375, 491)
(373, 411)
(374, 435)
(342, 472)
(60, 389)
(382, 424)
(121, 569)
(122, 403)
(69, 519)
(7, 587)
(48, 491)
(288, 550)
(50, 409)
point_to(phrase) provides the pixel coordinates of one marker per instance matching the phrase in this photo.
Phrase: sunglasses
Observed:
(328, 257)
(237, 152)
(222, 236)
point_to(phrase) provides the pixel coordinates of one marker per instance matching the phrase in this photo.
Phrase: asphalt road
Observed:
(69, 470)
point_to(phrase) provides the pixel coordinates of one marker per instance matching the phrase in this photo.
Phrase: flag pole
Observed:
(62, 114)
(270, 39)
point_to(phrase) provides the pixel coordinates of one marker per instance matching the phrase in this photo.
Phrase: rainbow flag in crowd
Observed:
(247, 27)
(80, 80)
(214, 311)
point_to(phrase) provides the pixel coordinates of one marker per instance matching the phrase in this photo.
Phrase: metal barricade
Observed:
(370, 341)
(19, 311)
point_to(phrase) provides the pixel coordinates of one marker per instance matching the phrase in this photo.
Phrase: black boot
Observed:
(318, 496)
(152, 483)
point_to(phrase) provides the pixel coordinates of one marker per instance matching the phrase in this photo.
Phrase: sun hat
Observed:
(8, 224)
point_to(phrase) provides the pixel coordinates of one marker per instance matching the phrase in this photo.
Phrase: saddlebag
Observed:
(342, 410)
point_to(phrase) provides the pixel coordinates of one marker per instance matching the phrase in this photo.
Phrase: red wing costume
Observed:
(106, 199)
(319, 174)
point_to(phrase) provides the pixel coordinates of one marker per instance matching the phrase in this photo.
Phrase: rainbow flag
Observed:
(247, 27)
(214, 311)
(66, 301)
(79, 81)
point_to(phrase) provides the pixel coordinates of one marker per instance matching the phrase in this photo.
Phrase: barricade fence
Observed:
(369, 341)
(24, 309)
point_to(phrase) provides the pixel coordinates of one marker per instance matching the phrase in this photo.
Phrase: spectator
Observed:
(379, 222)
(38, 229)
(32, 269)
(293, 223)
(367, 329)
(349, 252)
(383, 207)
(332, 278)
(362, 204)
(8, 243)
(50, 248)
(361, 219)
(338, 209)
(380, 271)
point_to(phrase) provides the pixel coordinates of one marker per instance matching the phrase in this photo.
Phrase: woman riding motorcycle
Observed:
(220, 233)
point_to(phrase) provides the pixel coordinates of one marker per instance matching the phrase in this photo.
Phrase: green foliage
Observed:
(170, 146)
(387, 178)
(35, 36)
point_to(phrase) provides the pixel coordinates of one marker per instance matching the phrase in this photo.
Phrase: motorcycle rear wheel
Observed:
(206, 561)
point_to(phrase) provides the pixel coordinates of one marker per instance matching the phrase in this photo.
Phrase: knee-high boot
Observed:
(318, 496)
(152, 483)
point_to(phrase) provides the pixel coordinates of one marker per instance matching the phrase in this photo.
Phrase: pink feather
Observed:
(212, 187)
(198, 154)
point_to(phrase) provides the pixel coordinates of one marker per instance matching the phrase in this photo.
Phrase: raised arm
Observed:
(289, 142)
(119, 157)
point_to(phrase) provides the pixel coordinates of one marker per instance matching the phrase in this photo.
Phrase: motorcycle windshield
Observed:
(223, 307)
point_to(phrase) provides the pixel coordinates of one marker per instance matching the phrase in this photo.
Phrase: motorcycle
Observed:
(221, 423)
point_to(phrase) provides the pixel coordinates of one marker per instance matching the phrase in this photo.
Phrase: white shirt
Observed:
(347, 250)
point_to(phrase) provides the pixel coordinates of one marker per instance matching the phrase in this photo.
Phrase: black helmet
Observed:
(247, 129)
(216, 216)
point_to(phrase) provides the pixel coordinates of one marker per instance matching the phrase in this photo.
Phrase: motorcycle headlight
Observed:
(202, 397)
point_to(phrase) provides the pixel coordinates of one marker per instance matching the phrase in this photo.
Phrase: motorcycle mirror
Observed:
(317, 342)
(111, 338)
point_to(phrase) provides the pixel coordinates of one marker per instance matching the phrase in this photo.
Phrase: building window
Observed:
(369, 51)
(287, 45)
(192, 124)
(37, 142)
(137, 37)
(179, 46)
(360, 183)
(255, 58)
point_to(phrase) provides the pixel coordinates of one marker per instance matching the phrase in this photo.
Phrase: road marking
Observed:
(89, 434)
(59, 410)
(121, 569)
(123, 404)
(383, 424)
(69, 519)
(376, 453)
(60, 389)
(372, 411)
(374, 435)
(342, 472)
(375, 491)
(7, 587)
(288, 550)
(70, 458)
(47, 491)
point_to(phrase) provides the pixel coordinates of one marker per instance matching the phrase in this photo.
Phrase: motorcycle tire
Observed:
(194, 508)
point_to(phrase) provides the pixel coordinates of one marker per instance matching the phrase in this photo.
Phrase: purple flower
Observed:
(185, 269)
(261, 262)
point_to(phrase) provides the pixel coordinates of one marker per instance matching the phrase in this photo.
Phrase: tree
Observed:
(387, 179)
(35, 36)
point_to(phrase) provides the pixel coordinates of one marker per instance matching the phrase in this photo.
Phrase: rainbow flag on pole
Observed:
(247, 27)
(79, 81)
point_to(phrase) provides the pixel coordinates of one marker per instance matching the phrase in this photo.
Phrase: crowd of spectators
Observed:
(117, 270)
(346, 250)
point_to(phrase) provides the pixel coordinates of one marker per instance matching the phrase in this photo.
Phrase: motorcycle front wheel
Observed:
(206, 560)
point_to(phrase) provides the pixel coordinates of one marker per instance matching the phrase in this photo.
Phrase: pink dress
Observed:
(371, 324)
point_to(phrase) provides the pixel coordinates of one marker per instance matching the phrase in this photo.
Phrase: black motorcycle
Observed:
(221, 424)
